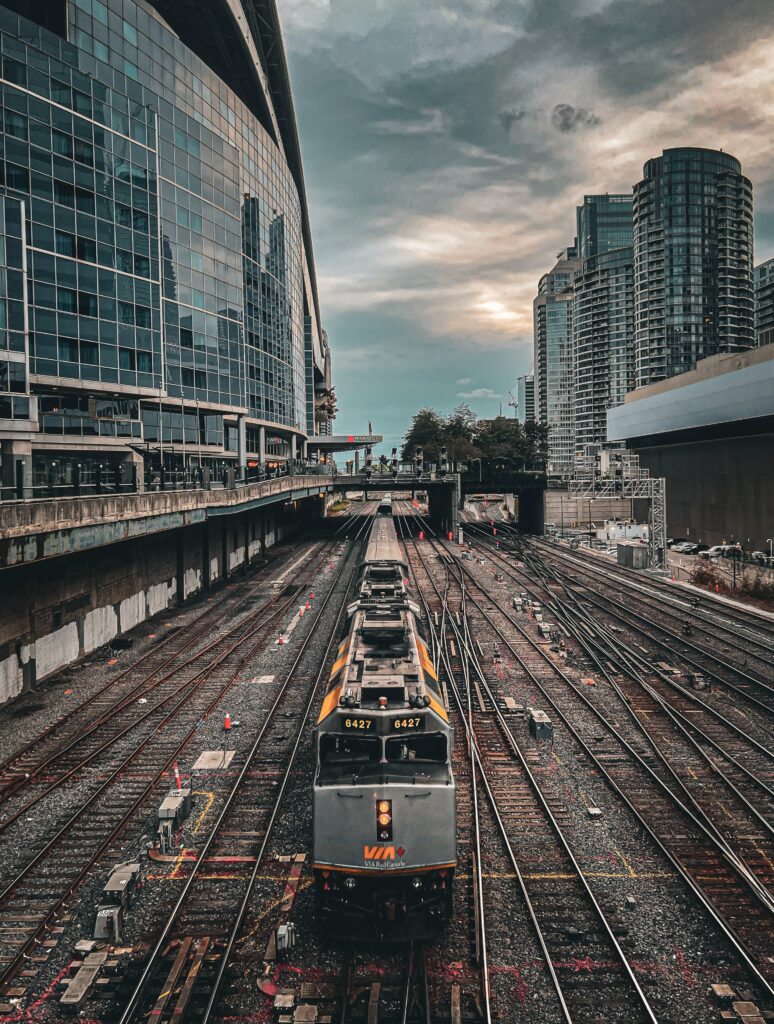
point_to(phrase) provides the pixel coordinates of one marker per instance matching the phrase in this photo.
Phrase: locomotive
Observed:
(385, 834)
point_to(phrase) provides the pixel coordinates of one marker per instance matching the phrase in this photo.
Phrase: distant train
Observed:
(385, 506)
(385, 834)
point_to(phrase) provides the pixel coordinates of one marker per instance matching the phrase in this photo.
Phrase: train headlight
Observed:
(349, 883)
(416, 883)
(384, 819)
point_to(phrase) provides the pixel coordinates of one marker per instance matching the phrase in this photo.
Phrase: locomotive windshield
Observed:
(429, 748)
(347, 750)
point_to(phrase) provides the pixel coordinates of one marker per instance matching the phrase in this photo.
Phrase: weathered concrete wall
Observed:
(52, 613)
(716, 491)
(559, 506)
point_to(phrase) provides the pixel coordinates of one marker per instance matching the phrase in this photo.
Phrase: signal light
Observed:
(384, 819)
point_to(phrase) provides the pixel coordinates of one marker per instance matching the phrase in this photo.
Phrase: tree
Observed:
(502, 438)
(460, 434)
(426, 432)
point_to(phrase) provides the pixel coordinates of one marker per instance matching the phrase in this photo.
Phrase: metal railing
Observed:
(105, 480)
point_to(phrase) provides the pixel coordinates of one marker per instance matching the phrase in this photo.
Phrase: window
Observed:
(126, 359)
(12, 376)
(428, 747)
(68, 350)
(347, 751)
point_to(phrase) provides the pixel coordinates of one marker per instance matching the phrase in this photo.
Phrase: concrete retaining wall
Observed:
(55, 612)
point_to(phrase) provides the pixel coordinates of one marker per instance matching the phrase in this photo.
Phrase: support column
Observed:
(135, 466)
(262, 446)
(242, 446)
(357, 461)
(293, 447)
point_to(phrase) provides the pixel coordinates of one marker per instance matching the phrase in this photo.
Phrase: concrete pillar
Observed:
(293, 447)
(16, 469)
(242, 446)
(133, 461)
(357, 461)
(262, 445)
(206, 578)
(442, 508)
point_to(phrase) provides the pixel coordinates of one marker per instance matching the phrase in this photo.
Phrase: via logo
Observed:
(382, 853)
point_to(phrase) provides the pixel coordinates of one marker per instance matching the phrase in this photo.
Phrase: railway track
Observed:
(701, 857)
(177, 650)
(698, 714)
(37, 891)
(565, 914)
(65, 762)
(185, 971)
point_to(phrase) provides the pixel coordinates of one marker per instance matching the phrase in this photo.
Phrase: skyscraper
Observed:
(161, 292)
(525, 398)
(552, 325)
(603, 341)
(604, 222)
(764, 303)
(693, 253)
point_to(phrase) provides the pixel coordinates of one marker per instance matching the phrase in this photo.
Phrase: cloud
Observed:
(465, 380)
(479, 393)
(446, 146)
(566, 118)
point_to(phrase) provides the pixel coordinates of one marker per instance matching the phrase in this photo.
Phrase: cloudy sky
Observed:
(446, 144)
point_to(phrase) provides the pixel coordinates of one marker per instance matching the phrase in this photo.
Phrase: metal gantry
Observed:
(618, 474)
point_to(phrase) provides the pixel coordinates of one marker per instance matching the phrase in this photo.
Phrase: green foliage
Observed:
(466, 438)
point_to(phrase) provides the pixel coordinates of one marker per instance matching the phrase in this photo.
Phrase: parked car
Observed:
(688, 548)
(714, 552)
(702, 547)
(760, 557)
(671, 541)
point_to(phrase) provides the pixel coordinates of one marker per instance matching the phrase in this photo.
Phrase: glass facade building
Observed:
(554, 377)
(764, 303)
(603, 341)
(693, 261)
(159, 298)
(603, 223)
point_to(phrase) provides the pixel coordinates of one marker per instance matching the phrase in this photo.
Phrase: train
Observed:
(384, 797)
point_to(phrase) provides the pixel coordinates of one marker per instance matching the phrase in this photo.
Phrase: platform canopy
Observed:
(342, 442)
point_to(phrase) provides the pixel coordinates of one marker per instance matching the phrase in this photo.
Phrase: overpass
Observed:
(446, 494)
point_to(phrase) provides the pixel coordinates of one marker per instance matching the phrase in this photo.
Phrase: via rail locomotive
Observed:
(385, 832)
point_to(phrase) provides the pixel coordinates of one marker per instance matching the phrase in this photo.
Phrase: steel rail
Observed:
(132, 1008)
(710, 908)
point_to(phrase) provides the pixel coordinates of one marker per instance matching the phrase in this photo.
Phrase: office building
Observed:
(603, 341)
(554, 378)
(525, 398)
(693, 261)
(160, 292)
(604, 223)
(764, 303)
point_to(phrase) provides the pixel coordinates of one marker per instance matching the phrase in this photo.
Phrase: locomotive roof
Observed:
(383, 543)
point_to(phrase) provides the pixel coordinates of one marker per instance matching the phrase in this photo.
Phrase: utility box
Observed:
(633, 556)
(118, 889)
(107, 925)
(540, 725)
(175, 806)
(544, 629)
